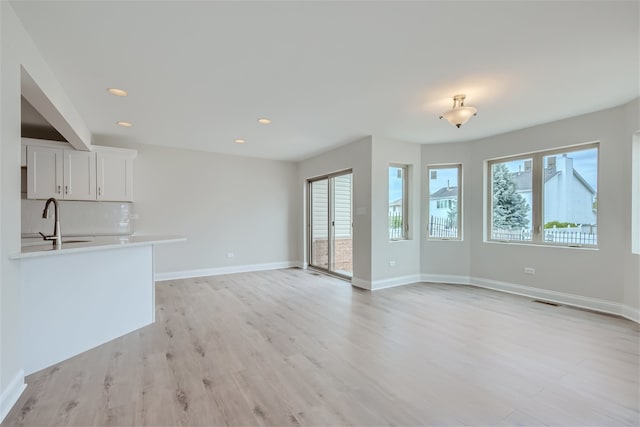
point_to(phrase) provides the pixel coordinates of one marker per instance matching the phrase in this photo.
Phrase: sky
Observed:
(395, 185)
(585, 162)
(443, 175)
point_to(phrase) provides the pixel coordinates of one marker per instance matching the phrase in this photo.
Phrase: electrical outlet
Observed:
(230, 254)
(529, 270)
(392, 263)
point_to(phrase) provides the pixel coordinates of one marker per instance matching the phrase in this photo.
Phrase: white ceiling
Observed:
(199, 74)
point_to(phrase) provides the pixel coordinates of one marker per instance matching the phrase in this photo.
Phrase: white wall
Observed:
(405, 253)
(221, 203)
(632, 270)
(369, 159)
(447, 260)
(11, 374)
(602, 277)
(355, 156)
(17, 50)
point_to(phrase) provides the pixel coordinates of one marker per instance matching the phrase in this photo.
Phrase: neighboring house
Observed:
(568, 196)
(342, 215)
(442, 200)
(395, 208)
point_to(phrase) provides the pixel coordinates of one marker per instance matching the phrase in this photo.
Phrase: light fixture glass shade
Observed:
(459, 114)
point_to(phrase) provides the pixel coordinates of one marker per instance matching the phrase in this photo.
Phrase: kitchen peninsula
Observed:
(79, 295)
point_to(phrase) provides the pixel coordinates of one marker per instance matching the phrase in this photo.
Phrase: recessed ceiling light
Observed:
(117, 92)
(125, 124)
(264, 121)
(239, 141)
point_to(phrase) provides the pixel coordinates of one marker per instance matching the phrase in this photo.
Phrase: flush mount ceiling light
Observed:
(117, 92)
(239, 141)
(460, 113)
(125, 124)
(264, 121)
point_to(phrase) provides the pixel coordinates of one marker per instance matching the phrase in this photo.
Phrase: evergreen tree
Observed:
(452, 213)
(509, 207)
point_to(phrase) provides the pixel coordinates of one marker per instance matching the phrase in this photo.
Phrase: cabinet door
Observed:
(79, 175)
(44, 173)
(115, 177)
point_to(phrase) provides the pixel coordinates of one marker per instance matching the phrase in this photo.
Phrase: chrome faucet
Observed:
(56, 237)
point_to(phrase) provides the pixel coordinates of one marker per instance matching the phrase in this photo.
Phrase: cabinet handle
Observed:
(98, 191)
(66, 189)
(59, 188)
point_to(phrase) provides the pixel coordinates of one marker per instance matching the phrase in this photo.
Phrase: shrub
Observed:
(558, 224)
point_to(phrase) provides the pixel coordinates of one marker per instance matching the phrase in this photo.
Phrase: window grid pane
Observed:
(547, 198)
(570, 197)
(512, 194)
(397, 229)
(444, 202)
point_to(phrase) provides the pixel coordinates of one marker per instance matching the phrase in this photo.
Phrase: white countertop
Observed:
(94, 244)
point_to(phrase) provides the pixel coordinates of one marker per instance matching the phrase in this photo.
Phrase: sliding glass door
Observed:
(330, 223)
(319, 194)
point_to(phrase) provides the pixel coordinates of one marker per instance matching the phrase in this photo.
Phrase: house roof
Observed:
(445, 193)
(524, 181)
(584, 181)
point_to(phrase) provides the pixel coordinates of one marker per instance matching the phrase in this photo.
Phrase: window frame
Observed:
(459, 215)
(537, 194)
(405, 201)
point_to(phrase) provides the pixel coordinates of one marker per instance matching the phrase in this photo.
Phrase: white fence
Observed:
(587, 235)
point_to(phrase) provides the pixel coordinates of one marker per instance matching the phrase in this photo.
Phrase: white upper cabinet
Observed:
(63, 174)
(79, 175)
(44, 172)
(105, 174)
(115, 176)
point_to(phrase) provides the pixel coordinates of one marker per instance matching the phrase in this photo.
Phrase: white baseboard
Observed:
(361, 283)
(552, 296)
(185, 274)
(385, 283)
(631, 313)
(395, 281)
(11, 394)
(595, 304)
(604, 306)
(445, 278)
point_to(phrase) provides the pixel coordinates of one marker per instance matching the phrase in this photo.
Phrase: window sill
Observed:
(432, 239)
(539, 245)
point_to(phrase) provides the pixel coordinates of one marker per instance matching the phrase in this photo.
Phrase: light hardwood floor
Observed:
(291, 347)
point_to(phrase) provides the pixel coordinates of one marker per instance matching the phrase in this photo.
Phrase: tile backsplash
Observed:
(78, 218)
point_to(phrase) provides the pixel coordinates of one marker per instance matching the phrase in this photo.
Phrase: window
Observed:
(398, 206)
(548, 197)
(444, 205)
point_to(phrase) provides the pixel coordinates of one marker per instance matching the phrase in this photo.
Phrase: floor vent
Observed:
(546, 302)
